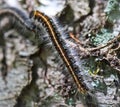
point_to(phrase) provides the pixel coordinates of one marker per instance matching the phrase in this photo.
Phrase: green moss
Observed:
(112, 10)
(102, 37)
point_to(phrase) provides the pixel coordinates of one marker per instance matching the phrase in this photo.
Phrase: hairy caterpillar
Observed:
(68, 54)
(59, 38)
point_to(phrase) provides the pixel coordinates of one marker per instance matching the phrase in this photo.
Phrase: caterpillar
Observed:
(58, 37)
(68, 54)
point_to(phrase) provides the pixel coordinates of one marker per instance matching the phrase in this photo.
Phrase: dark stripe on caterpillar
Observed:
(69, 56)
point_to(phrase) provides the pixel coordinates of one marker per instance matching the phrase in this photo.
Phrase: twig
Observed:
(105, 45)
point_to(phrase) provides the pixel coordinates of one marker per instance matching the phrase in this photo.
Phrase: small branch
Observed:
(105, 45)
